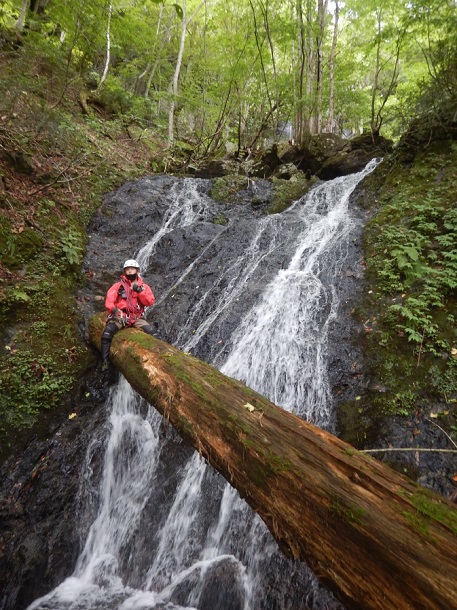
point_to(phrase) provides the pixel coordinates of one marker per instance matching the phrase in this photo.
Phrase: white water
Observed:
(280, 346)
(204, 534)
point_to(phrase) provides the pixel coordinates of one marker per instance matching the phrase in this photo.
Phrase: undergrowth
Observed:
(410, 308)
(56, 163)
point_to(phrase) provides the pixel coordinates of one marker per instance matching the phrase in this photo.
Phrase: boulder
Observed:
(286, 171)
(344, 164)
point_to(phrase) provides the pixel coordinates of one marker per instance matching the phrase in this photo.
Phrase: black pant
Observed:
(111, 329)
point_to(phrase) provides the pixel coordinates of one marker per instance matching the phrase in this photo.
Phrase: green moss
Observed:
(410, 306)
(430, 507)
(277, 464)
(352, 513)
(288, 191)
(239, 424)
(349, 451)
(220, 220)
(19, 248)
(418, 523)
(186, 429)
(224, 189)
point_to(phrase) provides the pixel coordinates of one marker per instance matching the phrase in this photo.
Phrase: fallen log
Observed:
(375, 538)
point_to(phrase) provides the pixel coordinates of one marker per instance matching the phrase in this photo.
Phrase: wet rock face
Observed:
(39, 521)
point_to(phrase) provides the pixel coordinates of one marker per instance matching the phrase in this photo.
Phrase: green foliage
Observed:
(444, 380)
(241, 68)
(410, 249)
(72, 250)
(28, 383)
(415, 254)
(17, 296)
(115, 98)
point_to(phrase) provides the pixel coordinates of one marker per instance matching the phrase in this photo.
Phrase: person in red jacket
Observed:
(126, 301)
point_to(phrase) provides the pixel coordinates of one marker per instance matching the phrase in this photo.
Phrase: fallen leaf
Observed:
(72, 415)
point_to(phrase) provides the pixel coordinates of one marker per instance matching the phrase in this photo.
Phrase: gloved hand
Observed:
(137, 288)
(115, 311)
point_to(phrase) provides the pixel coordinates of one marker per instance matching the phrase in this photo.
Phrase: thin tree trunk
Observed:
(376, 115)
(376, 538)
(310, 69)
(108, 47)
(20, 23)
(331, 95)
(262, 127)
(321, 27)
(175, 81)
(259, 44)
(298, 98)
(266, 22)
(156, 62)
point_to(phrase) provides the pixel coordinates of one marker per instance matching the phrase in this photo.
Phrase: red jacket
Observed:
(133, 303)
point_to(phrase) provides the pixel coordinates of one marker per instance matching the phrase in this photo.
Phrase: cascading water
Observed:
(188, 540)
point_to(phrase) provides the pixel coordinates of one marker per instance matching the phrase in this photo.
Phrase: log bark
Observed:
(375, 538)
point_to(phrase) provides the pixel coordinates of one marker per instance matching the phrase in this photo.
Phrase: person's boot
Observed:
(105, 374)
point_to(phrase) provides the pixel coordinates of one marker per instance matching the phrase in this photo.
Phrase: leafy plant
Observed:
(71, 247)
(416, 255)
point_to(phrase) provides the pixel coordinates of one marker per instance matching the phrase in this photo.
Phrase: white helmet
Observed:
(131, 263)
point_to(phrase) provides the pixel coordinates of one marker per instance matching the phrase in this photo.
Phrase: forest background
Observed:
(97, 91)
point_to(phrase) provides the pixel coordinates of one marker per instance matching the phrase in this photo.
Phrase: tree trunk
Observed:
(20, 23)
(321, 31)
(175, 81)
(331, 94)
(374, 537)
(301, 60)
(108, 47)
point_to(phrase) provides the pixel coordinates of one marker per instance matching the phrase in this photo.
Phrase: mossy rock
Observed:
(19, 248)
(409, 305)
(225, 188)
(288, 191)
(220, 220)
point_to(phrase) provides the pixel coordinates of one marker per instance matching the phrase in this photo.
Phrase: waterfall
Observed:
(187, 540)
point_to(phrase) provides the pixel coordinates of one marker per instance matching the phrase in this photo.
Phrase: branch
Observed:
(45, 186)
(443, 431)
(419, 449)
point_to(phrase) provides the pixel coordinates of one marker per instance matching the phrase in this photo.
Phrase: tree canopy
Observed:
(239, 73)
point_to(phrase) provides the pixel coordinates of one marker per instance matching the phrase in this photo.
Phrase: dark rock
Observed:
(329, 156)
(326, 145)
(285, 171)
(365, 141)
(214, 169)
(345, 164)
(268, 162)
(39, 509)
